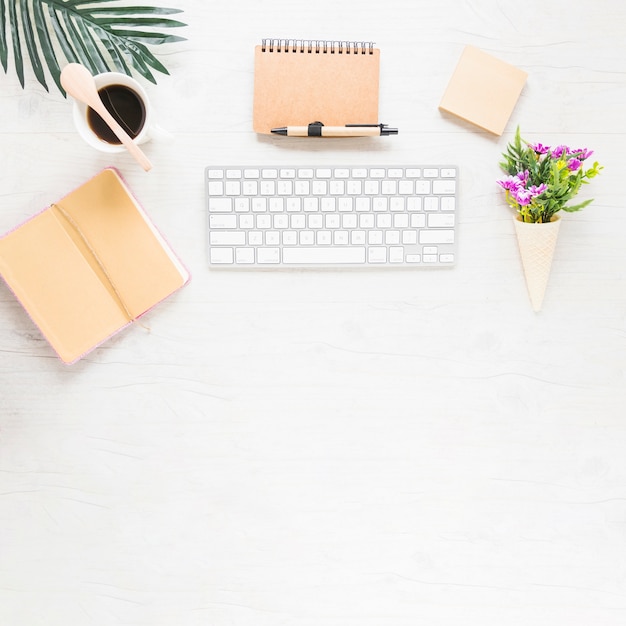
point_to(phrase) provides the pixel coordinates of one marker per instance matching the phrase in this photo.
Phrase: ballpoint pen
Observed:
(317, 129)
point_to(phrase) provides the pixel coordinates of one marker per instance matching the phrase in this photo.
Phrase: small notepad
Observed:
(297, 82)
(483, 90)
(89, 265)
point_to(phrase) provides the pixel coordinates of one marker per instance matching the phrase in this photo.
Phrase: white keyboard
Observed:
(322, 216)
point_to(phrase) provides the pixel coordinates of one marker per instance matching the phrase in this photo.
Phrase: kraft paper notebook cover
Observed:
(89, 265)
(298, 82)
(483, 90)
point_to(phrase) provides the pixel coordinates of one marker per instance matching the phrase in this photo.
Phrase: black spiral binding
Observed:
(314, 46)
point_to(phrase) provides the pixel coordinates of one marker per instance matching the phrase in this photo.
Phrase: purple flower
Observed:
(522, 196)
(537, 190)
(559, 151)
(582, 153)
(539, 148)
(574, 164)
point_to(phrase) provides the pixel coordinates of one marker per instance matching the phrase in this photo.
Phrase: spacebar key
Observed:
(323, 256)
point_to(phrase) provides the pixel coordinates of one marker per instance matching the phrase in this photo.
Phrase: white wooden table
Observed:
(332, 448)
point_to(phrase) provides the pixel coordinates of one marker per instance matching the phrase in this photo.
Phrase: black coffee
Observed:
(125, 106)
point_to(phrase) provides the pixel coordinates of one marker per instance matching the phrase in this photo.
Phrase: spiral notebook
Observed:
(89, 265)
(297, 82)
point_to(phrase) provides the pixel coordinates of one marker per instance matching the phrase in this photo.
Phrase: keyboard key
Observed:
(324, 237)
(232, 188)
(250, 188)
(409, 237)
(259, 205)
(396, 254)
(323, 172)
(431, 203)
(223, 221)
(221, 255)
(448, 203)
(436, 236)
(268, 255)
(246, 221)
(220, 205)
(441, 187)
(440, 220)
(302, 188)
(216, 188)
(324, 256)
(290, 238)
(377, 254)
(242, 205)
(268, 187)
(244, 255)
(228, 238)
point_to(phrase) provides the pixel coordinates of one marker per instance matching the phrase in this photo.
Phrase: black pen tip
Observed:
(280, 131)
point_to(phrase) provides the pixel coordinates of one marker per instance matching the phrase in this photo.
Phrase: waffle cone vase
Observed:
(537, 243)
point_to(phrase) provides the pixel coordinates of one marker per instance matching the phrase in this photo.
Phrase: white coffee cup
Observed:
(148, 129)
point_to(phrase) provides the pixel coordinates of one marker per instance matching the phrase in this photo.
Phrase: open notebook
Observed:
(89, 265)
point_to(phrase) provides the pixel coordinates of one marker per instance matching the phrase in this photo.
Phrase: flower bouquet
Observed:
(540, 182)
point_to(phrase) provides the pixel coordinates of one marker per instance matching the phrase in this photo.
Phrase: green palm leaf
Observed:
(100, 34)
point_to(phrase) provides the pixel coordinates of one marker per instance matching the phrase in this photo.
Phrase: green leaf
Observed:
(577, 207)
(115, 53)
(150, 22)
(61, 37)
(31, 44)
(100, 34)
(43, 35)
(134, 11)
(17, 47)
(4, 56)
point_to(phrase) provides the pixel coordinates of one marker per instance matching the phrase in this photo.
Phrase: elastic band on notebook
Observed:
(129, 316)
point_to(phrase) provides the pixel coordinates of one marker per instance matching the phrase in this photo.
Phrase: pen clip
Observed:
(315, 129)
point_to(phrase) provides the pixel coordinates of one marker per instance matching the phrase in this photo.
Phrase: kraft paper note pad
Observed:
(300, 82)
(89, 265)
(483, 90)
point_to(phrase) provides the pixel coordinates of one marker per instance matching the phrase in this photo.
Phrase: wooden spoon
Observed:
(79, 83)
